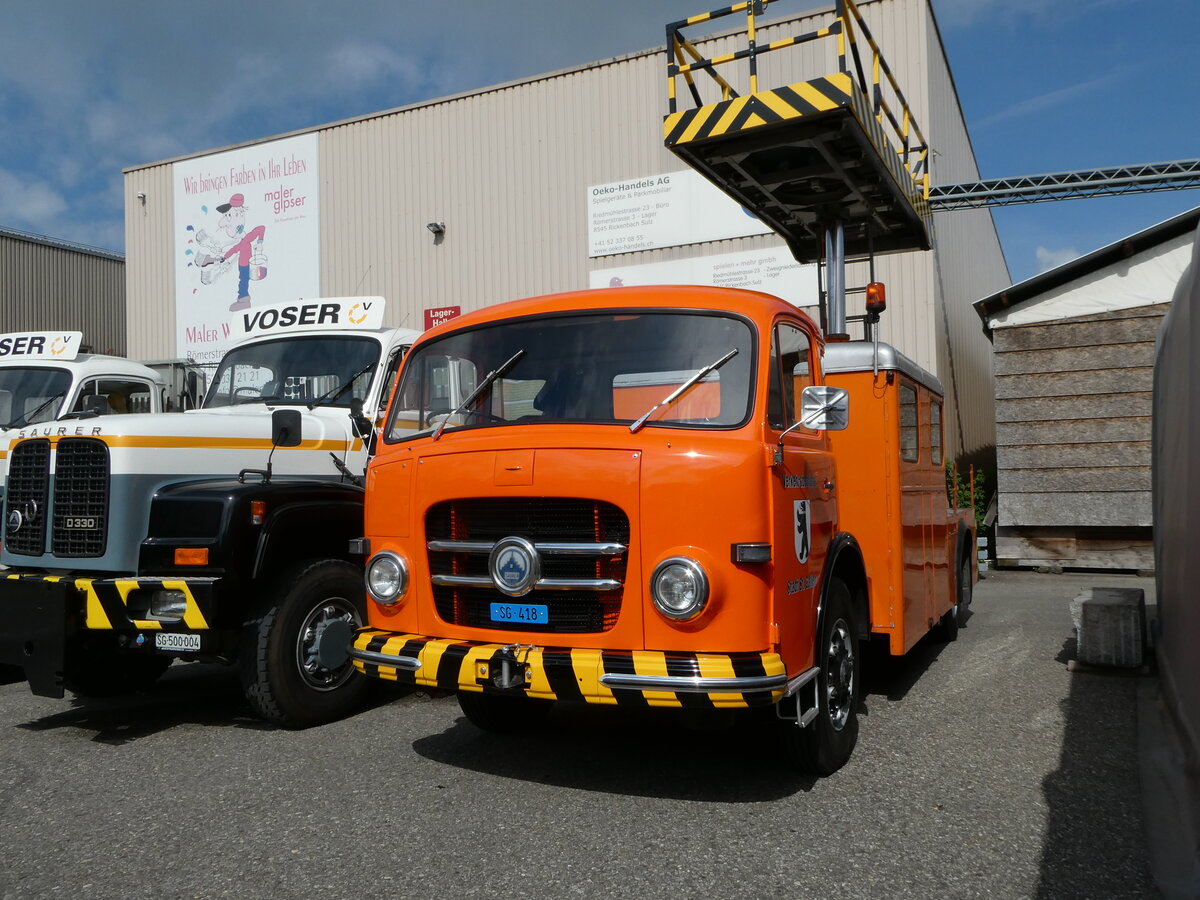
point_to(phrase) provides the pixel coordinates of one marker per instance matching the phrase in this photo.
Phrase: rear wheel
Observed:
(503, 714)
(826, 743)
(294, 657)
(950, 621)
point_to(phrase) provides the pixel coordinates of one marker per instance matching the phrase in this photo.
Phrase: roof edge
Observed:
(1126, 247)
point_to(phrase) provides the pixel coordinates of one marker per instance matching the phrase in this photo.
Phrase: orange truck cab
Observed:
(657, 496)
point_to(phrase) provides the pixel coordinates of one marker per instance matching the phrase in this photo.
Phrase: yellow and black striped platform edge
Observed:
(106, 601)
(790, 103)
(569, 673)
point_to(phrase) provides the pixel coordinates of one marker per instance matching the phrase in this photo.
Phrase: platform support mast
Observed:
(835, 279)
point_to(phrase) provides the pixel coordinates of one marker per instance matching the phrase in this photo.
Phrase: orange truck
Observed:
(658, 496)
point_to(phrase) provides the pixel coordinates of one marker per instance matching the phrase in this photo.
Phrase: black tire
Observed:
(284, 676)
(827, 742)
(93, 673)
(965, 591)
(501, 714)
(950, 621)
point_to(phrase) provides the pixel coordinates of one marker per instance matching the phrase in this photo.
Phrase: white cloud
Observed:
(1052, 99)
(28, 204)
(965, 13)
(1051, 259)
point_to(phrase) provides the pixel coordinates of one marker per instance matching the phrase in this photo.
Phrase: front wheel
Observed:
(826, 743)
(294, 656)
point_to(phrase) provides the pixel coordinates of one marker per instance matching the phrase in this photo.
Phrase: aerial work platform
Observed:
(804, 157)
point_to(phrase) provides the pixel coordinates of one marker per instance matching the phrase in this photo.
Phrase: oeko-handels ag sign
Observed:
(437, 315)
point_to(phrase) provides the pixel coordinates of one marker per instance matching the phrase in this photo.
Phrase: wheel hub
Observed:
(323, 647)
(840, 686)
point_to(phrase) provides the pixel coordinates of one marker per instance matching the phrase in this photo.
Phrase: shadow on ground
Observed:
(1094, 844)
(191, 694)
(728, 756)
(633, 752)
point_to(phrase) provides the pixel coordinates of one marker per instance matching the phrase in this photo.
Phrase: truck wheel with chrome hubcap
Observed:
(824, 746)
(294, 657)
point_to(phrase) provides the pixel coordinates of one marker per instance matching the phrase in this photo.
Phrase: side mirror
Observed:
(285, 428)
(824, 408)
(359, 423)
(95, 405)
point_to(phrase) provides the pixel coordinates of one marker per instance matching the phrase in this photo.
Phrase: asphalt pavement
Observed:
(984, 768)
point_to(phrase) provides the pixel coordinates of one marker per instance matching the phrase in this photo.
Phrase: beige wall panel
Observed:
(150, 262)
(970, 261)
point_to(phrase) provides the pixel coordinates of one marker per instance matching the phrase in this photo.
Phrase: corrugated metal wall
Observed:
(45, 286)
(967, 262)
(507, 170)
(150, 262)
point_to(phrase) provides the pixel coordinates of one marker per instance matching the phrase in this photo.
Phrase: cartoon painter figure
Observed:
(246, 246)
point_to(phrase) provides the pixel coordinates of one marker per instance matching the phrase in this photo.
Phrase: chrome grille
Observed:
(582, 545)
(26, 498)
(80, 497)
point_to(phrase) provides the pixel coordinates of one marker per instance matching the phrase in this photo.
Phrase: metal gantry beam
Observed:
(1141, 179)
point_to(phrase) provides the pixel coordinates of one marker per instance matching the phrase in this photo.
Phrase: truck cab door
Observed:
(802, 488)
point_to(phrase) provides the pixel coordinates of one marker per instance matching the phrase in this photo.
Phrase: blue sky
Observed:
(88, 88)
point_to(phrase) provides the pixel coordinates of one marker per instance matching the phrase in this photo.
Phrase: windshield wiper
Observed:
(478, 392)
(333, 393)
(29, 416)
(678, 392)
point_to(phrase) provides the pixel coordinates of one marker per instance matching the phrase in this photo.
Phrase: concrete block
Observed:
(1110, 625)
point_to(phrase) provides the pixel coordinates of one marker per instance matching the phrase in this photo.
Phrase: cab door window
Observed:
(791, 373)
(112, 396)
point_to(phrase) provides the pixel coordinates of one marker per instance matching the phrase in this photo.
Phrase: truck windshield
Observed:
(599, 368)
(30, 394)
(295, 371)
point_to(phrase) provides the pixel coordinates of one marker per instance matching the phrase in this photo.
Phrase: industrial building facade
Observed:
(539, 186)
(49, 285)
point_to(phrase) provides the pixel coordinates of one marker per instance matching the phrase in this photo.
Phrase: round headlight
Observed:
(387, 579)
(679, 588)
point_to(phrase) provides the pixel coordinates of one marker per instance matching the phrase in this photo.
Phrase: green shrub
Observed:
(958, 491)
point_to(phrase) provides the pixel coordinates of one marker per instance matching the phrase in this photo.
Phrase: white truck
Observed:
(220, 534)
(44, 376)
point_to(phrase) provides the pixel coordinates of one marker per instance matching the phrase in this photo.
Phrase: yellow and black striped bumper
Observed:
(106, 601)
(611, 677)
(43, 618)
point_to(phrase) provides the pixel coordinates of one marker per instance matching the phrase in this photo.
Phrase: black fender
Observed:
(303, 519)
(845, 559)
(308, 527)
